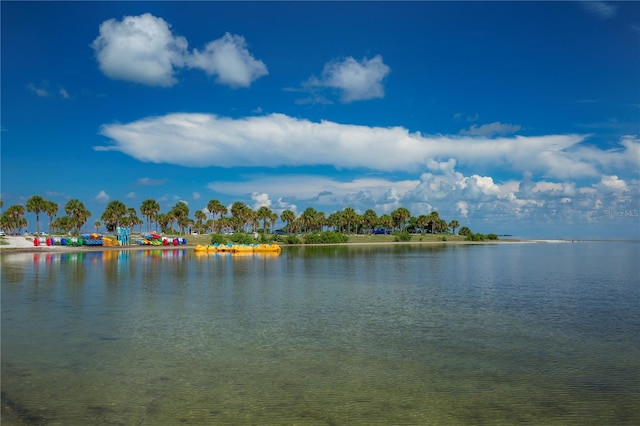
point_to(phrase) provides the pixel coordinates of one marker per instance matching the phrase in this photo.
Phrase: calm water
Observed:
(492, 334)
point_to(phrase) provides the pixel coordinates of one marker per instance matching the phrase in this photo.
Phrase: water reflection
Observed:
(340, 335)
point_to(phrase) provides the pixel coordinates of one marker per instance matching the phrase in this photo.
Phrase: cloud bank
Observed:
(143, 49)
(202, 140)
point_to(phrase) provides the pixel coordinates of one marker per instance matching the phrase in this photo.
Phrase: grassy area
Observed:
(414, 238)
(206, 239)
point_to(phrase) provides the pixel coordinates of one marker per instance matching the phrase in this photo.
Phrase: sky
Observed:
(518, 118)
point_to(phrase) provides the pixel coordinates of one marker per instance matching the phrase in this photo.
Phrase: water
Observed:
(412, 334)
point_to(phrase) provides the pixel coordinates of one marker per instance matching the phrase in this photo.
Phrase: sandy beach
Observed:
(22, 244)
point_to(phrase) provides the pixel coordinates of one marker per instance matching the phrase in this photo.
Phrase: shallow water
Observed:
(491, 334)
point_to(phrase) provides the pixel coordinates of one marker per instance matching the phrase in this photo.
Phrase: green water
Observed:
(508, 334)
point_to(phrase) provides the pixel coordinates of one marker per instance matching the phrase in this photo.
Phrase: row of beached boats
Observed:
(238, 248)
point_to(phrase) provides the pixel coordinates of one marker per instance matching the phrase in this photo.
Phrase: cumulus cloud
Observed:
(41, 91)
(230, 61)
(201, 140)
(491, 129)
(479, 199)
(260, 200)
(355, 80)
(143, 49)
(102, 197)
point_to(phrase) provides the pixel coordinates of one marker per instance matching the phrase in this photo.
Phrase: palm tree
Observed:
(113, 214)
(386, 221)
(441, 225)
(13, 218)
(64, 223)
(433, 219)
(78, 213)
(200, 218)
(369, 218)
(453, 225)
(181, 213)
(36, 204)
(149, 209)
(216, 207)
(241, 214)
(162, 219)
(422, 222)
(97, 225)
(288, 216)
(51, 209)
(350, 217)
(336, 221)
(264, 214)
(400, 216)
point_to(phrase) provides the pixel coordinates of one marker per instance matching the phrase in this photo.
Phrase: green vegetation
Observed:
(403, 236)
(327, 237)
(239, 223)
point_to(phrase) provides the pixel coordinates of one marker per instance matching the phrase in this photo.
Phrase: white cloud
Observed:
(63, 92)
(463, 208)
(201, 140)
(260, 200)
(229, 60)
(196, 195)
(356, 81)
(40, 91)
(143, 49)
(131, 195)
(151, 182)
(613, 184)
(600, 9)
(102, 197)
(491, 129)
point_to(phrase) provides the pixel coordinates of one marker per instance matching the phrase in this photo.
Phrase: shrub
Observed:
(266, 238)
(475, 237)
(239, 238)
(444, 238)
(292, 239)
(492, 237)
(464, 231)
(218, 239)
(402, 236)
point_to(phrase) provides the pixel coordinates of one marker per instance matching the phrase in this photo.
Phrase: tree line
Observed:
(238, 218)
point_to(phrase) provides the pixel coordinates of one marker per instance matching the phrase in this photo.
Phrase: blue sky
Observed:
(511, 117)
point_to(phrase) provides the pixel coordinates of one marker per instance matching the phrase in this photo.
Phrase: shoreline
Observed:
(22, 245)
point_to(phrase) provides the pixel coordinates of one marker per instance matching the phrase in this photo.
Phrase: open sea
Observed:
(495, 334)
